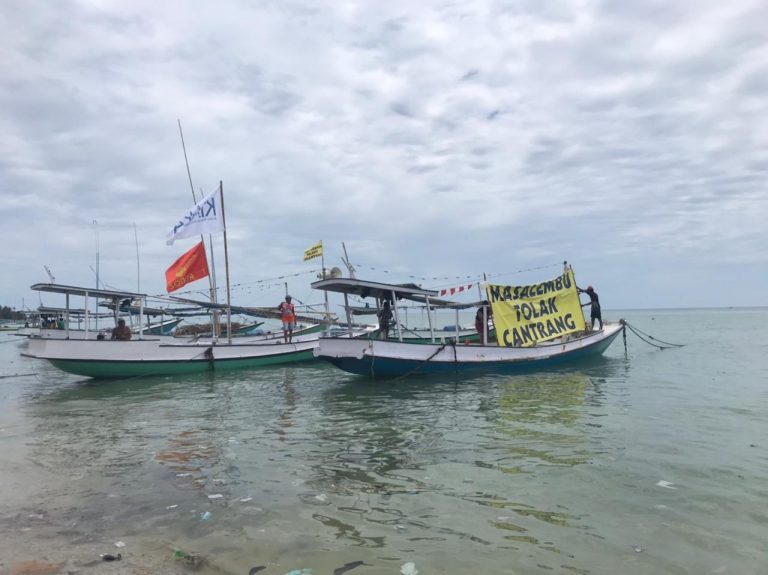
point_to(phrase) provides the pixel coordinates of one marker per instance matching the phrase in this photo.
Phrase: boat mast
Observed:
(347, 263)
(226, 264)
(215, 327)
(327, 308)
(96, 305)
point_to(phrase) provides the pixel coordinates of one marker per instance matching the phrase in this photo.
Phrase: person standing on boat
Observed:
(481, 321)
(385, 318)
(122, 331)
(288, 315)
(594, 301)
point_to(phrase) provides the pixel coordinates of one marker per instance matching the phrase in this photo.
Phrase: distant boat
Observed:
(399, 357)
(46, 316)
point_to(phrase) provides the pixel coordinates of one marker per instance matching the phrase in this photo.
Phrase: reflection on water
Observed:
(378, 465)
(305, 466)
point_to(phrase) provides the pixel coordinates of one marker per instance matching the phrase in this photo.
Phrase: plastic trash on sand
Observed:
(108, 557)
(206, 515)
(409, 568)
(667, 484)
(302, 571)
(119, 544)
(194, 560)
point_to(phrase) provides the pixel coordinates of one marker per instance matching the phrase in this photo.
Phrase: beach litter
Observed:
(409, 568)
(206, 515)
(215, 496)
(108, 557)
(119, 544)
(348, 567)
(666, 484)
(193, 560)
(302, 571)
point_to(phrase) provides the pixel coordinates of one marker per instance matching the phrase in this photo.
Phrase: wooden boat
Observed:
(399, 357)
(146, 357)
(106, 358)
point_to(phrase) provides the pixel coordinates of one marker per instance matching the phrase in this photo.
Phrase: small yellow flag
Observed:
(314, 252)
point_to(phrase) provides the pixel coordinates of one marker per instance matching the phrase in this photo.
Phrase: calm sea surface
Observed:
(650, 462)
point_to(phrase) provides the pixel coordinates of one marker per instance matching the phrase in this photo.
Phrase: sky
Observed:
(439, 140)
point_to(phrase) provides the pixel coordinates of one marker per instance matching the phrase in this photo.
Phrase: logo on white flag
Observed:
(205, 218)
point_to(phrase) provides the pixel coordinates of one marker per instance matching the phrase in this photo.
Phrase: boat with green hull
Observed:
(92, 355)
(112, 369)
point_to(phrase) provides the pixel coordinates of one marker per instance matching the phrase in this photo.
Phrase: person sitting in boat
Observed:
(481, 321)
(122, 331)
(288, 315)
(594, 301)
(385, 318)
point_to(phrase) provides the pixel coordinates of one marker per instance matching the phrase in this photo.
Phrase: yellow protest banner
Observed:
(525, 315)
(314, 252)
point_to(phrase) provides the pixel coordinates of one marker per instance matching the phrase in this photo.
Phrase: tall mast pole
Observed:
(226, 265)
(96, 299)
(327, 308)
(215, 317)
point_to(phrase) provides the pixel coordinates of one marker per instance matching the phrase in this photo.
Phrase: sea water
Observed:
(642, 461)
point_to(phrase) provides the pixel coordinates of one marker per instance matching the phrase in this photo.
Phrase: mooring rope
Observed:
(419, 366)
(646, 337)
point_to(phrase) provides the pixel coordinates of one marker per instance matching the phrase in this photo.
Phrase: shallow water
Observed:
(549, 472)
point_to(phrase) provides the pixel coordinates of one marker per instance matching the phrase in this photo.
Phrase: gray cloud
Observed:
(435, 139)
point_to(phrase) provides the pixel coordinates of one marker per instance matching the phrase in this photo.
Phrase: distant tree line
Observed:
(8, 313)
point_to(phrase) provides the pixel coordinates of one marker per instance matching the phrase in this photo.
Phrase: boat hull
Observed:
(136, 358)
(395, 359)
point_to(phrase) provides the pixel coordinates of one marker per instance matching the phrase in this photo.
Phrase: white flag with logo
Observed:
(206, 217)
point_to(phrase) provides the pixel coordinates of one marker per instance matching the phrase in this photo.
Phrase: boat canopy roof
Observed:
(378, 290)
(83, 291)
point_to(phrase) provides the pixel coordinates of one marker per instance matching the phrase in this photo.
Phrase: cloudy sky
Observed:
(439, 140)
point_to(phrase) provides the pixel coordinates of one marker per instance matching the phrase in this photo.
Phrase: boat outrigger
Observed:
(544, 342)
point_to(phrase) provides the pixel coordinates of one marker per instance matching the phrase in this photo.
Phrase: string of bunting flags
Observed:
(455, 290)
(475, 278)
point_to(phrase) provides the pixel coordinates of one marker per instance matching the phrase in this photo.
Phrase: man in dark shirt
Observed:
(385, 318)
(594, 301)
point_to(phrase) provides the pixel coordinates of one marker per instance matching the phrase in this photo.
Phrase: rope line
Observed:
(644, 337)
(420, 365)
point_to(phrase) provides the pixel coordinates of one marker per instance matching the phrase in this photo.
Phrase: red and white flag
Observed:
(455, 290)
